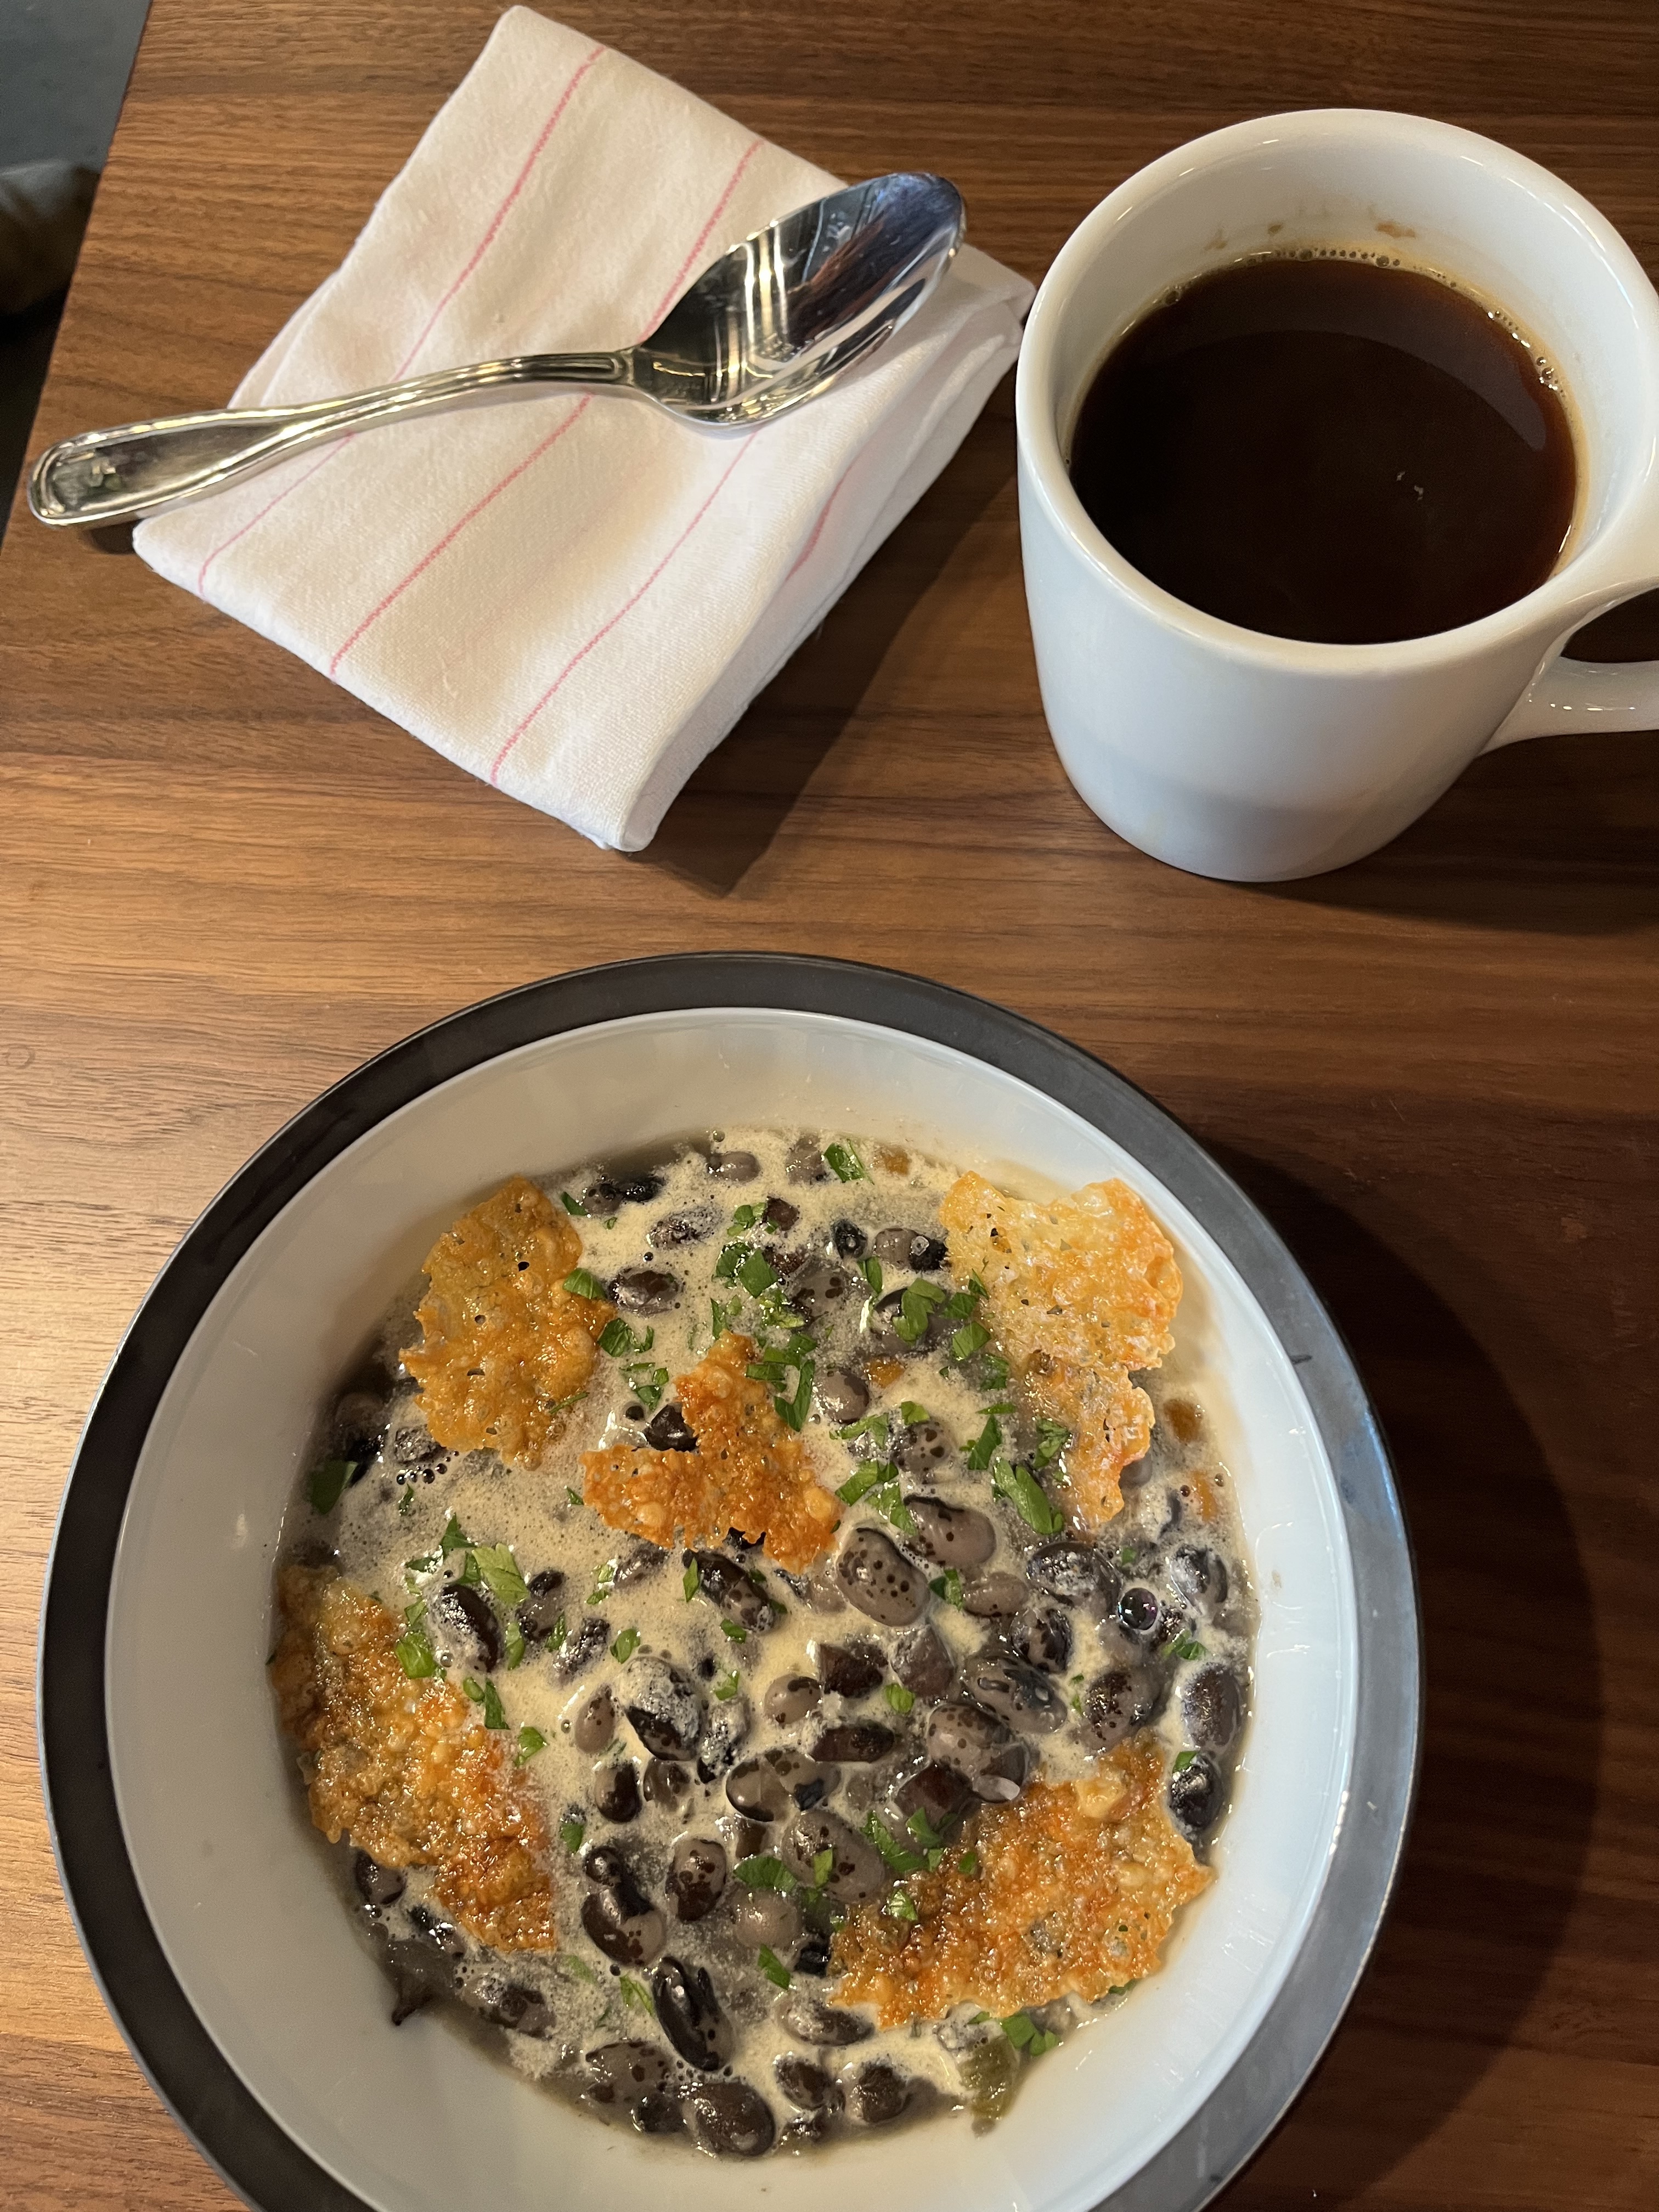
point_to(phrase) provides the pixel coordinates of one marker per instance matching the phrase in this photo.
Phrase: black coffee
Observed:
(1330, 449)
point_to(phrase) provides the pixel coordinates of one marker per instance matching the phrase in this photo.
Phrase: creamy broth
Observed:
(642, 1688)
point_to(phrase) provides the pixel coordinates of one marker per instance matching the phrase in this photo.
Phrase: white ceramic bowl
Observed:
(206, 1906)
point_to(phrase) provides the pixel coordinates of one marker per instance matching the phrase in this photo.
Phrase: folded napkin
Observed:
(576, 596)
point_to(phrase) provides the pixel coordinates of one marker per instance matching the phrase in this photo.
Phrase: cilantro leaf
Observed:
(625, 1646)
(968, 1339)
(845, 1163)
(454, 1538)
(871, 1271)
(897, 1858)
(867, 1427)
(1027, 1495)
(500, 1570)
(969, 1862)
(635, 1994)
(728, 1686)
(690, 1580)
(573, 1204)
(494, 1717)
(765, 1872)
(979, 1454)
(865, 1478)
(414, 1647)
(898, 1696)
(530, 1741)
(916, 1309)
(571, 1834)
(948, 1586)
(512, 1641)
(581, 1284)
(900, 1905)
(734, 1632)
(756, 1273)
(773, 1967)
(795, 1410)
(910, 1413)
(328, 1483)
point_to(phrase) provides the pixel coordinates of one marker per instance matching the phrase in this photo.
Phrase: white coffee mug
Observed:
(1258, 758)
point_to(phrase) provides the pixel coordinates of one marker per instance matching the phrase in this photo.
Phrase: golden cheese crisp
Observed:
(1078, 1291)
(505, 1347)
(1076, 1887)
(406, 1769)
(750, 1471)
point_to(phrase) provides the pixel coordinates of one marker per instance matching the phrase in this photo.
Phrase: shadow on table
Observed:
(734, 804)
(1556, 834)
(1507, 1795)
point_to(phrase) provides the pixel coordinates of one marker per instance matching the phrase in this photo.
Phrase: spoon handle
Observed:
(123, 474)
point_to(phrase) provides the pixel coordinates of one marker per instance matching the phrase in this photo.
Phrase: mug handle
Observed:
(1595, 695)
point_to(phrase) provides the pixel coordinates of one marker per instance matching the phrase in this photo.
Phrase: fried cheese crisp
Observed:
(750, 1471)
(1078, 1291)
(505, 1347)
(406, 1769)
(1073, 1890)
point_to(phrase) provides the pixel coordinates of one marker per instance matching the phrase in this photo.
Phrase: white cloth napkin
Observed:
(574, 597)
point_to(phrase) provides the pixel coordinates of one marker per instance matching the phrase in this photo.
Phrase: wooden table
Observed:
(225, 882)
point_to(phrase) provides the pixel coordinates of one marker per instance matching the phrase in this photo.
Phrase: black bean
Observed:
(779, 1214)
(843, 1397)
(804, 1162)
(608, 1866)
(438, 1932)
(1137, 1609)
(539, 1615)
(816, 1289)
(414, 1446)
(1042, 1636)
(808, 2088)
(627, 2073)
(848, 1670)
(645, 1290)
(728, 1588)
(581, 1647)
(923, 1664)
(596, 1724)
(1075, 1573)
(665, 1784)
(856, 1869)
(809, 2020)
(667, 1430)
(995, 1596)
(878, 2093)
(936, 1789)
(696, 1876)
(876, 1577)
(616, 1791)
(848, 1240)
(1119, 1700)
(1213, 1704)
(524, 2011)
(689, 2013)
(729, 2119)
(419, 1972)
(950, 1536)
(857, 1743)
(664, 1710)
(1015, 1692)
(909, 1247)
(466, 1630)
(756, 1791)
(689, 1226)
(378, 1886)
(733, 1167)
(812, 1954)
(1197, 1793)
(768, 1916)
(1199, 1576)
(631, 1938)
(989, 1755)
(790, 1699)
(723, 1734)
(611, 1193)
(923, 1451)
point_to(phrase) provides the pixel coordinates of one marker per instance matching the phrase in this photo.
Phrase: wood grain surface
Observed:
(224, 883)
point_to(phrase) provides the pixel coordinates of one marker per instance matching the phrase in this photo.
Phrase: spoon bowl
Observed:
(775, 321)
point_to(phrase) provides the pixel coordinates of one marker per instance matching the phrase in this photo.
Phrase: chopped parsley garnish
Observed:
(1027, 1495)
(733, 1629)
(1183, 1760)
(756, 1273)
(414, 1647)
(898, 1696)
(571, 1834)
(969, 1864)
(888, 1502)
(765, 1872)
(405, 1505)
(867, 1427)
(897, 1857)
(845, 1163)
(635, 1994)
(494, 1717)
(732, 1258)
(948, 1586)
(720, 1316)
(582, 1285)
(795, 1410)
(728, 1686)
(1127, 1556)
(530, 1741)
(871, 1271)
(979, 1454)
(555, 1635)
(647, 1383)
(512, 1642)
(900, 1905)
(625, 1646)
(500, 1570)
(328, 1481)
(773, 1967)
(471, 1573)
(567, 1962)
(603, 1582)
(690, 1581)
(746, 1216)
(916, 1309)
(968, 1340)
(1052, 1436)
(995, 1369)
(619, 1338)
(823, 1865)
(865, 1478)
(923, 1829)
(573, 1204)
(910, 1413)
(1188, 1647)
(454, 1538)
(574, 1496)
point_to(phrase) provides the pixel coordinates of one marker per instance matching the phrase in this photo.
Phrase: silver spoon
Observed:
(770, 325)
